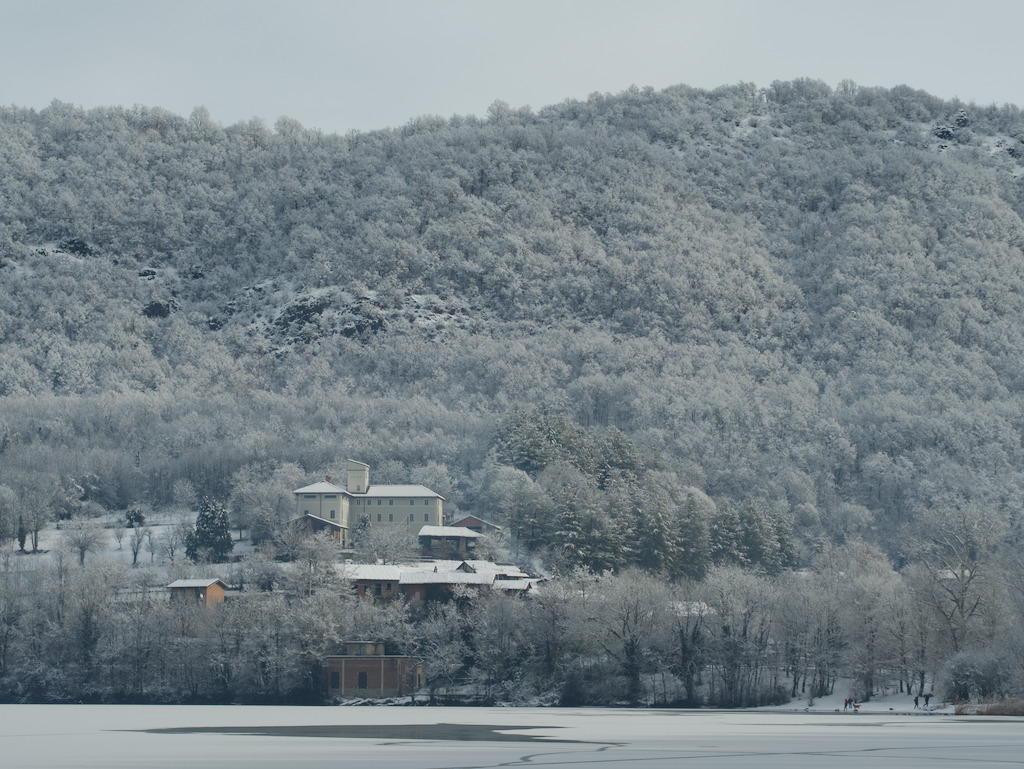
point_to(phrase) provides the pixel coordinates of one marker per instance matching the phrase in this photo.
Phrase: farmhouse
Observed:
(343, 507)
(435, 579)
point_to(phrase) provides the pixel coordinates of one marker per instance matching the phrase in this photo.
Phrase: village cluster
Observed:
(446, 564)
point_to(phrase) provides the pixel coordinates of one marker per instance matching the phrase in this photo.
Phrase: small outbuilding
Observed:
(480, 526)
(448, 541)
(207, 592)
(312, 524)
(364, 670)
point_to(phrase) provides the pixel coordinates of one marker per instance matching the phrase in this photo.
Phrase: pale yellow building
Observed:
(411, 506)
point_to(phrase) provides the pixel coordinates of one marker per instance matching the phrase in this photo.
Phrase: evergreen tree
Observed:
(529, 515)
(759, 542)
(532, 440)
(648, 520)
(693, 544)
(211, 540)
(22, 534)
(727, 536)
(134, 517)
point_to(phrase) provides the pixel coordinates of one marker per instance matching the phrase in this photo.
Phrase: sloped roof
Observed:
(316, 519)
(374, 492)
(506, 569)
(438, 572)
(322, 487)
(463, 520)
(445, 578)
(512, 584)
(411, 490)
(196, 582)
(449, 531)
(374, 571)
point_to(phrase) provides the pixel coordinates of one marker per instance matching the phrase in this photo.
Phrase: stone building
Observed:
(410, 506)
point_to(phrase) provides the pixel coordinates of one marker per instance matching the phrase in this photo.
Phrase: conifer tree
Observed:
(693, 545)
(758, 540)
(726, 534)
(211, 540)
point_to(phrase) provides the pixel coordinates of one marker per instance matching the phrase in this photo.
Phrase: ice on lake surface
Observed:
(195, 737)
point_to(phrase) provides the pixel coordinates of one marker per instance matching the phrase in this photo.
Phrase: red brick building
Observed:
(366, 671)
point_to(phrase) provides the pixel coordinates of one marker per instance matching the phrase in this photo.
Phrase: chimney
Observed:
(327, 478)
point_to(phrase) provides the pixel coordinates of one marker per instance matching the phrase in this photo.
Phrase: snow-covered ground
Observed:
(109, 549)
(879, 703)
(49, 736)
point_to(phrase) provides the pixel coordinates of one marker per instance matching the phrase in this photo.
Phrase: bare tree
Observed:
(184, 493)
(35, 514)
(136, 542)
(500, 635)
(152, 543)
(626, 615)
(387, 544)
(442, 640)
(260, 571)
(951, 576)
(313, 565)
(175, 538)
(84, 536)
(739, 626)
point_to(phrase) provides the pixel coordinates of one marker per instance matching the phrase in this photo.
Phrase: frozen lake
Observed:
(51, 736)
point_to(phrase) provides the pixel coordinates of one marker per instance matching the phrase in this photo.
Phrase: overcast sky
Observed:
(364, 64)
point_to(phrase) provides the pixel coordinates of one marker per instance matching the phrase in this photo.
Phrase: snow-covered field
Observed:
(37, 736)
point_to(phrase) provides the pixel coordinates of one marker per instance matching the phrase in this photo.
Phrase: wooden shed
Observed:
(208, 592)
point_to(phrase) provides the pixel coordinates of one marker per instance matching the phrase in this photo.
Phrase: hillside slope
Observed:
(807, 297)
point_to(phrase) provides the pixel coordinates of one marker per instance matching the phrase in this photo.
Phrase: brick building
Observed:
(366, 671)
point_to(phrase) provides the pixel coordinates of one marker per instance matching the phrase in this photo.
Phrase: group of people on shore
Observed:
(850, 704)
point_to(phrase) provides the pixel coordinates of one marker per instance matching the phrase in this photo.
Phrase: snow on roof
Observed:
(503, 569)
(374, 492)
(448, 531)
(399, 491)
(196, 582)
(478, 518)
(512, 584)
(438, 572)
(507, 569)
(438, 564)
(323, 487)
(445, 578)
(373, 571)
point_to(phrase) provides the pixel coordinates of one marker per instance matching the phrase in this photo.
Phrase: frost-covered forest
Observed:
(730, 334)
